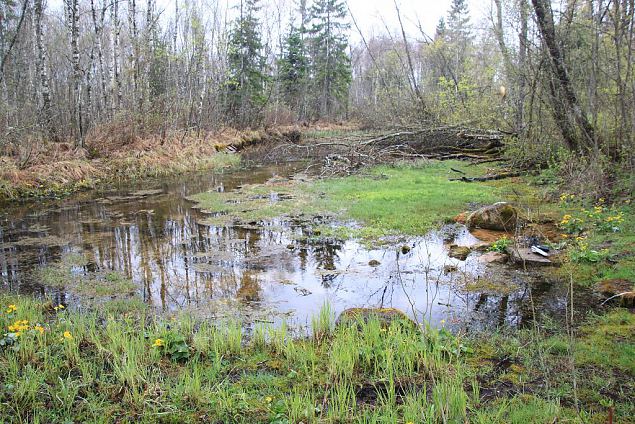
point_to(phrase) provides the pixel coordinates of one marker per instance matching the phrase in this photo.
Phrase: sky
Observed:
(371, 15)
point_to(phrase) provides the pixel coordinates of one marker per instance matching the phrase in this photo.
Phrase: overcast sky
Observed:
(369, 14)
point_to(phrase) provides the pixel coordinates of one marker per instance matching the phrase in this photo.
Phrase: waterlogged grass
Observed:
(405, 199)
(69, 273)
(57, 365)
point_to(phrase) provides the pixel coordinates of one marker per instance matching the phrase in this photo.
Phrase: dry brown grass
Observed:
(113, 152)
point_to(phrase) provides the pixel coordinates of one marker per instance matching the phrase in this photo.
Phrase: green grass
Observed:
(143, 368)
(407, 199)
(615, 247)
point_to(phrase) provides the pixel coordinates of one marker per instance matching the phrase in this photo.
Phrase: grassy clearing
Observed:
(405, 199)
(58, 365)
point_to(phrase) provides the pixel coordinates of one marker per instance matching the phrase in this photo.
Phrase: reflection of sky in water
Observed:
(264, 272)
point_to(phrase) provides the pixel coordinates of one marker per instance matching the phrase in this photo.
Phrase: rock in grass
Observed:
(524, 255)
(501, 216)
(493, 258)
(385, 316)
(374, 262)
(622, 289)
(459, 252)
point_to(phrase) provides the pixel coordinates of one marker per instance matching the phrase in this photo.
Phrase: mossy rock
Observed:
(385, 316)
(501, 216)
(459, 252)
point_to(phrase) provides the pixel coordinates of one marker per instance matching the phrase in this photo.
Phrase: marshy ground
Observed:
(213, 298)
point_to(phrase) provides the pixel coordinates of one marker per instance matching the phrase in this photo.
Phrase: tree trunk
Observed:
(523, 50)
(43, 81)
(567, 110)
(98, 26)
(115, 84)
(73, 18)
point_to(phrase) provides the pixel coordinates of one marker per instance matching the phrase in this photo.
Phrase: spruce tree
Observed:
(330, 64)
(246, 76)
(459, 35)
(293, 70)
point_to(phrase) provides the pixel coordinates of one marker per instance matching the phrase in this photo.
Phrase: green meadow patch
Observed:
(406, 199)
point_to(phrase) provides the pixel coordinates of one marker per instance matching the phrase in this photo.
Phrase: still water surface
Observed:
(267, 271)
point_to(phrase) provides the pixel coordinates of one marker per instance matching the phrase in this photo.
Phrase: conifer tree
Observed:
(330, 64)
(459, 35)
(293, 70)
(246, 79)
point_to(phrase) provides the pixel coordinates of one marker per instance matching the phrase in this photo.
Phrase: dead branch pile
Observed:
(343, 154)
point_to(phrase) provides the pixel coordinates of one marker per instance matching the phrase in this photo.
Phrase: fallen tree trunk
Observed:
(489, 177)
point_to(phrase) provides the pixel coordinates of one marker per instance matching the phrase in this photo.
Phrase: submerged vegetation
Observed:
(58, 364)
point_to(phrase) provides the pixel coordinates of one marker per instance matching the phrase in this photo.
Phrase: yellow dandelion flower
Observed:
(269, 399)
(68, 335)
(159, 343)
(59, 307)
(17, 333)
(564, 235)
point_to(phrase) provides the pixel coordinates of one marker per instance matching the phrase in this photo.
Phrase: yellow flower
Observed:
(11, 308)
(410, 422)
(68, 335)
(59, 307)
(158, 343)
(19, 326)
(564, 235)
(17, 333)
(269, 399)
(39, 328)
(442, 321)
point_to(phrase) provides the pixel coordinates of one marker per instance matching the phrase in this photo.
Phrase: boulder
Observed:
(385, 316)
(493, 258)
(616, 287)
(461, 218)
(501, 216)
(459, 252)
(374, 262)
(524, 255)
